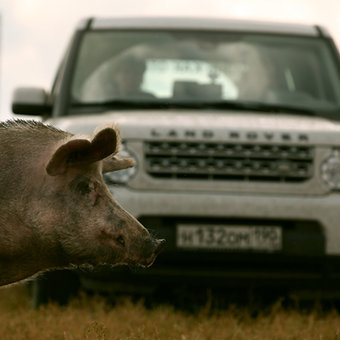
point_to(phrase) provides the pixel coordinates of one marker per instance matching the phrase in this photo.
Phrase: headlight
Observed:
(330, 171)
(122, 176)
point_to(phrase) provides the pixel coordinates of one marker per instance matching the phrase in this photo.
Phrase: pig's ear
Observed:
(116, 163)
(105, 143)
(79, 152)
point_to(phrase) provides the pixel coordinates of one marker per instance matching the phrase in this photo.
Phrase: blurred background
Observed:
(35, 33)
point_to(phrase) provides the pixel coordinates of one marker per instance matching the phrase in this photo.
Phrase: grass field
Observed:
(93, 318)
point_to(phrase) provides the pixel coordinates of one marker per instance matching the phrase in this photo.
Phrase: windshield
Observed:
(201, 67)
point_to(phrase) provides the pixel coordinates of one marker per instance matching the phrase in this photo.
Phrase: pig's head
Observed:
(91, 227)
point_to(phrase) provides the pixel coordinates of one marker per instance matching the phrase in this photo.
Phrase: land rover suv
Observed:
(234, 126)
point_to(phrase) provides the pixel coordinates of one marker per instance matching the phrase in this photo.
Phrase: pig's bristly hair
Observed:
(35, 137)
(35, 126)
(20, 124)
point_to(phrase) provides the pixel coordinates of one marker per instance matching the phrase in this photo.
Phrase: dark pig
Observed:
(56, 210)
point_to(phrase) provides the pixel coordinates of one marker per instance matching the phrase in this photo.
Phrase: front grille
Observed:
(229, 161)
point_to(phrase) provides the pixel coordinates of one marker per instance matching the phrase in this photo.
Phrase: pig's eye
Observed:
(84, 187)
(120, 240)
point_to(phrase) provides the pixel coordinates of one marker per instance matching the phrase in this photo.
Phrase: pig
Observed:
(55, 208)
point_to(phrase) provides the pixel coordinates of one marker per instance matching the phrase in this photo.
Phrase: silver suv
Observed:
(234, 126)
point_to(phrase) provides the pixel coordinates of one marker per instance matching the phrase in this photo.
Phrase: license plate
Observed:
(257, 238)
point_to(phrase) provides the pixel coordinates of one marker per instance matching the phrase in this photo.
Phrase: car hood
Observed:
(208, 124)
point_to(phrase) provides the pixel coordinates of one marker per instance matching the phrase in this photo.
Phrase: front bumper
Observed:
(322, 210)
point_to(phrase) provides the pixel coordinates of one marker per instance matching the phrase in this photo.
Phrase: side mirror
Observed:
(31, 101)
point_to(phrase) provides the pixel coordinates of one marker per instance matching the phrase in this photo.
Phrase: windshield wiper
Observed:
(260, 107)
(327, 113)
(122, 104)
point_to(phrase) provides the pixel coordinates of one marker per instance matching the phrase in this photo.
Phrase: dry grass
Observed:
(92, 318)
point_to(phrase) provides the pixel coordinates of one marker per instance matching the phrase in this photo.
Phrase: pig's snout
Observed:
(156, 247)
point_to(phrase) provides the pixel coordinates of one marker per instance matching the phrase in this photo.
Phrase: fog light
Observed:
(330, 171)
(125, 175)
